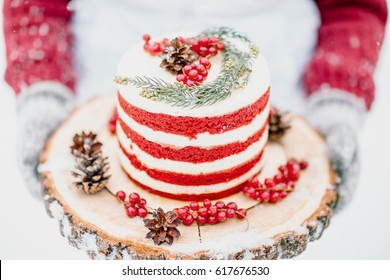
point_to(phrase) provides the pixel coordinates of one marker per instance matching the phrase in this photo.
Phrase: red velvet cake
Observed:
(195, 132)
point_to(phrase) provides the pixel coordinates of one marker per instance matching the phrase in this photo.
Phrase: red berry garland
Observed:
(278, 187)
(207, 213)
(135, 206)
(192, 74)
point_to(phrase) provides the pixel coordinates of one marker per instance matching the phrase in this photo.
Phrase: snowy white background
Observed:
(360, 232)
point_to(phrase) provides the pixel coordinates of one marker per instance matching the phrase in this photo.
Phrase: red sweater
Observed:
(349, 40)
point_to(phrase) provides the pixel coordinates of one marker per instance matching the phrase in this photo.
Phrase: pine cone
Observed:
(91, 167)
(176, 56)
(163, 227)
(278, 125)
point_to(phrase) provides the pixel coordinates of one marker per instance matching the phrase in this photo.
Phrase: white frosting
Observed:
(137, 62)
(188, 167)
(206, 139)
(146, 180)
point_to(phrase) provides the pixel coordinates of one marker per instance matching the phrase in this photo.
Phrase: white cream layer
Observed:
(188, 167)
(146, 180)
(136, 62)
(204, 140)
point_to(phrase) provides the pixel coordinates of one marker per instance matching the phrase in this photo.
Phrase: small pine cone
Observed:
(176, 55)
(163, 227)
(83, 142)
(277, 125)
(91, 167)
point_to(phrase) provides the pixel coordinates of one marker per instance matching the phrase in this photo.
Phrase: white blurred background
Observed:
(361, 231)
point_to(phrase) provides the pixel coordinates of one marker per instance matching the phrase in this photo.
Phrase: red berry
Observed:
(264, 196)
(221, 46)
(292, 164)
(146, 37)
(303, 164)
(278, 178)
(293, 174)
(283, 194)
(189, 219)
(134, 198)
(193, 42)
(146, 47)
(142, 212)
(251, 192)
(232, 205)
(230, 213)
(207, 203)
(203, 51)
(213, 210)
(142, 202)
(254, 183)
(201, 220)
(132, 211)
(241, 213)
(212, 220)
(283, 169)
(155, 48)
(194, 206)
(201, 69)
(204, 41)
(220, 204)
(187, 69)
(221, 216)
(121, 195)
(199, 79)
(205, 62)
(269, 183)
(203, 211)
(181, 78)
(127, 205)
(274, 197)
(182, 212)
(212, 51)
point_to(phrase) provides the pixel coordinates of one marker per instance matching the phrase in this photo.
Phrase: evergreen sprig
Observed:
(235, 73)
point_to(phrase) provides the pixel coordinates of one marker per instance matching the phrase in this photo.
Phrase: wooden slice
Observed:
(98, 225)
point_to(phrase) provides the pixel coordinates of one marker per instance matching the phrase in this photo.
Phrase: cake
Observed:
(193, 140)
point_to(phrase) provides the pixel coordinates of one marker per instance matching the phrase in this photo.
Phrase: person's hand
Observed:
(338, 116)
(40, 109)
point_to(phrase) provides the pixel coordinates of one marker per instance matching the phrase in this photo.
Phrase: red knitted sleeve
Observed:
(38, 43)
(349, 40)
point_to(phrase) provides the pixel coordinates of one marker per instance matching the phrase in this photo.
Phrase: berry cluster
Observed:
(206, 46)
(194, 74)
(112, 122)
(278, 187)
(135, 206)
(207, 213)
(155, 47)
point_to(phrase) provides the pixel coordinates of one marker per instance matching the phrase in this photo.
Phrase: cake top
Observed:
(193, 75)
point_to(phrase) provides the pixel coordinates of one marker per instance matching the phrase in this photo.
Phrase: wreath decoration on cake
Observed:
(234, 74)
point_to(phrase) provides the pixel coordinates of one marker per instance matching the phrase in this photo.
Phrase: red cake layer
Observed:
(192, 197)
(190, 153)
(204, 179)
(191, 126)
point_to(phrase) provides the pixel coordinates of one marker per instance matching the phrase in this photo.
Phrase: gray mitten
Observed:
(338, 115)
(40, 109)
